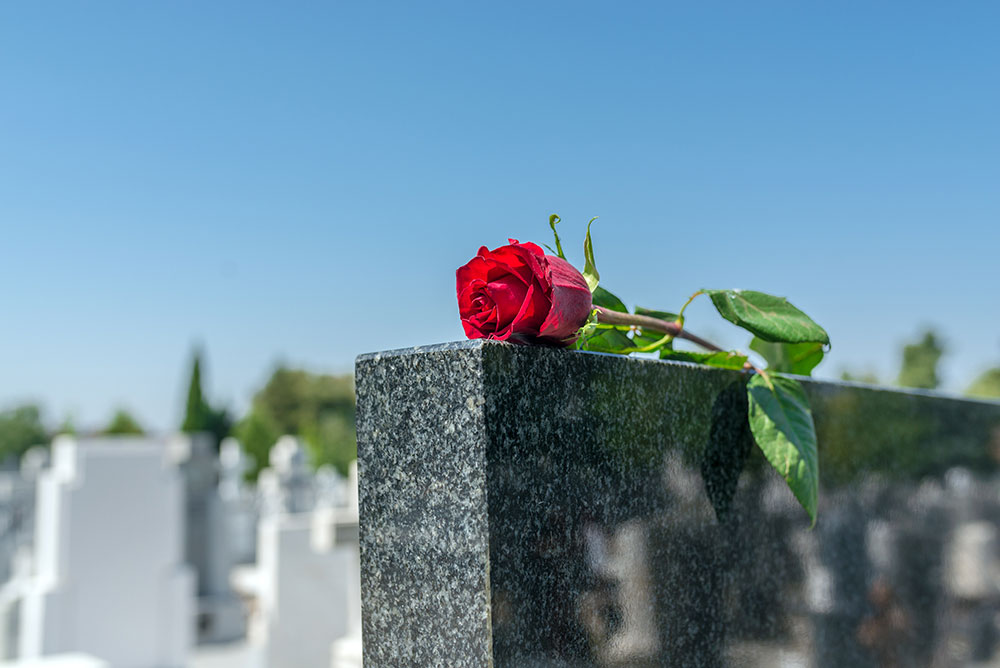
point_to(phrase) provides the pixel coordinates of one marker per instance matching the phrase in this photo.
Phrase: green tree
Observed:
(199, 415)
(332, 440)
(863, 377)
(319, 408)
(257, 432)
(194, 413)
(987, 385)
(20, 428)
(67, 427)
(123, 424)
(920, 361)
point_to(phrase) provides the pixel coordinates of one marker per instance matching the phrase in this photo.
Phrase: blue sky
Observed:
(298, 182)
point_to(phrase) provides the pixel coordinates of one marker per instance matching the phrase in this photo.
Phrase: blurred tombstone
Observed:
(331, 488)
(108, 576)
(636, 638)
(9, 482)
(238, 502)
(346, 651)
(352, 487)
(840, 602)
(291, 465)
(972, 565)
(74, 660)
(208, 541)
(33, 462)
(972, 569)
(307, 579)
(233, 466)
(17, 507)
(270, 496)
(307, 597)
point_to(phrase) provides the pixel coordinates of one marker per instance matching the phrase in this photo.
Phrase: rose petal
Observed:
(531, 314)
(508, 293)
(507, 259)
(572, 301)
(468, 295)
(474, 269)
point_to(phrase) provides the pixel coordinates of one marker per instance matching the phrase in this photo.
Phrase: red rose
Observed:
(518, 292)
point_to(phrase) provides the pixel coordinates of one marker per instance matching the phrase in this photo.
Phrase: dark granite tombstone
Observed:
(524, 506)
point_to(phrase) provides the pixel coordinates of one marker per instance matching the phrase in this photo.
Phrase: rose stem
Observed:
(607, 317)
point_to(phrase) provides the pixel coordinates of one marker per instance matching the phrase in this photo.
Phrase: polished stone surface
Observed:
(525, 506)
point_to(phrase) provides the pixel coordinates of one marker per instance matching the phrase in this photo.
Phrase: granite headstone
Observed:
(526, 506)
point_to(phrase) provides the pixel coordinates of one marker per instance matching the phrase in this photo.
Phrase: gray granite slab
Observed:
(527, 506)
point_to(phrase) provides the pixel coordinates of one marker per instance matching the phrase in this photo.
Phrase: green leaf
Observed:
(609, 341)
(553, 220)
(721, 360)
(782, 425)
(589, 269)
(602, 297)
(771, 318)
(798, 358)
(662, 315)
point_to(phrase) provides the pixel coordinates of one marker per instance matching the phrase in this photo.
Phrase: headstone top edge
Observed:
(504, 347)
(933, 395)
(475, 344)
(481, 345)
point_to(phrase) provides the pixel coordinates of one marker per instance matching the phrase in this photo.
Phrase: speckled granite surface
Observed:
(524, 506)
(425, 537)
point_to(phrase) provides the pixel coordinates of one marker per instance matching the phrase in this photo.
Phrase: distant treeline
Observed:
(318, 408)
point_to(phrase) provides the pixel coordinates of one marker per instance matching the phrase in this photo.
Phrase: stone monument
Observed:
(109, 578)
(527, 506)
(305, 585)
(208, 543)
(239, 506)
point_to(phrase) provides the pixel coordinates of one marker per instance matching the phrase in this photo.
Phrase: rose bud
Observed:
(517, 292)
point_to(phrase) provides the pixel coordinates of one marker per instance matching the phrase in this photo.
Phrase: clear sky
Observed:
(298, 181)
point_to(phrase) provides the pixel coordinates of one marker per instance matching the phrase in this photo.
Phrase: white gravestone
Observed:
(238, 502)
(208, 540)
(290, 464)
(305, 594)
(109, 576)
(345, 652)
(307, 579)
(58, 661)
(17, 529)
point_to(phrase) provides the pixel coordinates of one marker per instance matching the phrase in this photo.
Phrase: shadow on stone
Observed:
(729, 445)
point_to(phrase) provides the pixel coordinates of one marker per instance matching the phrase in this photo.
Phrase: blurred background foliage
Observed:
(20, 428)
(318, 408)
(123, 424)
(920, 363)
(987, 385)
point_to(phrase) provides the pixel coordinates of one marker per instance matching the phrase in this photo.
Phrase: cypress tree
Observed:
(199, 416)
(194, 415)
